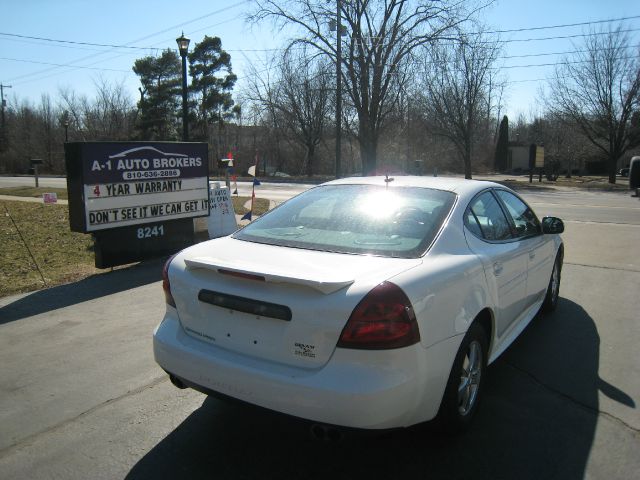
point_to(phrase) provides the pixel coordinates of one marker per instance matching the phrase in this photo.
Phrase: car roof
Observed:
(459, 186)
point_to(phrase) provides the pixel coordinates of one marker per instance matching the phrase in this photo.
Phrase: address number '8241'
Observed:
(150, 232)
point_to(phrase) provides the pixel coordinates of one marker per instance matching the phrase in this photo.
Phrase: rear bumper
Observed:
(361, 389)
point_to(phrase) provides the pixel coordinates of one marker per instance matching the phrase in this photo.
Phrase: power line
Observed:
(188, 22)
(63, 65)
(128, 46)
(570, 52)
(72, 42)
(164, 41)
(68, 47)
(564, 37)
(71, 65)
(566, 25)
(253, 74)
(556, 63)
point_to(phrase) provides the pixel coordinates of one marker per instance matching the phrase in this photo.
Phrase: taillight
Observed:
(166, 286)
(383, 319)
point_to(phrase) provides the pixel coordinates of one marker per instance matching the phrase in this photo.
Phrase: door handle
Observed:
(532, 254)
(497, 268)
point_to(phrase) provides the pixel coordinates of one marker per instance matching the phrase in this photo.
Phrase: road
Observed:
(80, 395)
(566, 203)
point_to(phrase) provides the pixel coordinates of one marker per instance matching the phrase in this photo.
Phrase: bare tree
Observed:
(73, 105)
(381, 37)
(267, 133)
(298, 100)
(38, 131)
(22, 125)
(108, 116)
(458, 80)
(47, 132)
(113, 111)
(597, 89)
(304, 101)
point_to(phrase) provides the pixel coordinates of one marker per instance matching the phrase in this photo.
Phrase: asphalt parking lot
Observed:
(82, 398)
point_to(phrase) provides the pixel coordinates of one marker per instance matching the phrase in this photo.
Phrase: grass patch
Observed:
(61, 255)
(578, 183)
(34, 192)
(260, 205)
(591, 183)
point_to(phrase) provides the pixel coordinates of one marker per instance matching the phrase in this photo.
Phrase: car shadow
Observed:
(89, 288)
(537, 420)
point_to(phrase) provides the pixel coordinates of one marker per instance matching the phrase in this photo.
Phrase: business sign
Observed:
(120, 246)
(121, 184)
(50, 198)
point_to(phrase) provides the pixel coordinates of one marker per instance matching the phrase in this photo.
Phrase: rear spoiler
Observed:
(326, 285)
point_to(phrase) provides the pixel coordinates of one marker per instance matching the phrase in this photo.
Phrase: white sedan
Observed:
(364, 302)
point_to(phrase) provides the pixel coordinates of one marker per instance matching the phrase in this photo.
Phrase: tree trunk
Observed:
(613, 167)
(368, 152)
(310, 155)
(467, 162)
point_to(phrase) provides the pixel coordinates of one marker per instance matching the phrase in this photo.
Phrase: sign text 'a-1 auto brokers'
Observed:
(153, 188)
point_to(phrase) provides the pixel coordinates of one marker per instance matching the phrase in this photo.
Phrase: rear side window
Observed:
(486, 219)
(525, 221)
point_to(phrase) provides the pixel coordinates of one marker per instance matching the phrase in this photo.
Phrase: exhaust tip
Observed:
(177, 382)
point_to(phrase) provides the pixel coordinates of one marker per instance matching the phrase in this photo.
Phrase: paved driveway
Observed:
(80, 395)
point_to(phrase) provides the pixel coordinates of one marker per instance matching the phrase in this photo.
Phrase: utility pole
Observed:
(3, 103)
(338, 88)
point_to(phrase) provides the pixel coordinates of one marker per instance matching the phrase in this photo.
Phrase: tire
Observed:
(553, 290)
(465, 384)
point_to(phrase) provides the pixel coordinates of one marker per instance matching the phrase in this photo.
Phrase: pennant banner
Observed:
(252, 171)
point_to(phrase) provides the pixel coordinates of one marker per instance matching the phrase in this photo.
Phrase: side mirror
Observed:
(552, 225)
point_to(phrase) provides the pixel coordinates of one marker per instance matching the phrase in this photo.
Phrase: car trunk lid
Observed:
(279, 304)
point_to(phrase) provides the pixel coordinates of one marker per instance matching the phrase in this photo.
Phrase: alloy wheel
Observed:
(470, 378)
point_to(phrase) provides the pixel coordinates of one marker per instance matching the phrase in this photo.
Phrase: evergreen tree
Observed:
(211, 83)
(502, 147)
(159, 96)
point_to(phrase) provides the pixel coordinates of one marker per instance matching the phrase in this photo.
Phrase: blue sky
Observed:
(150, 25)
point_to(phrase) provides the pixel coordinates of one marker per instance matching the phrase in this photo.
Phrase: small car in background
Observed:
(370, 302)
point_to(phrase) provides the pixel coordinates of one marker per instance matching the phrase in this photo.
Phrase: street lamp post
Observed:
(183, 47)
(3, 103)
(66, 125)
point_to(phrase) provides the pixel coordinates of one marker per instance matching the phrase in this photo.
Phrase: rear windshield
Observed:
(363, 219)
